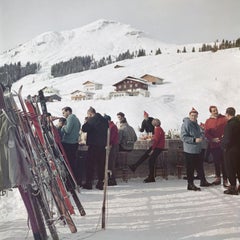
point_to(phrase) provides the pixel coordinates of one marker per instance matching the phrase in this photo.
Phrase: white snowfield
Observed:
(136, 210)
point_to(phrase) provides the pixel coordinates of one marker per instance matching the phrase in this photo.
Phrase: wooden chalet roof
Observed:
(91, 82)
(149, 75)
(88, 82)
(132, 79)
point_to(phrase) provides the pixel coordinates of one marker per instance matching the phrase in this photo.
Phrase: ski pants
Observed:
(95, 160)
(194, 162)
(219, 164)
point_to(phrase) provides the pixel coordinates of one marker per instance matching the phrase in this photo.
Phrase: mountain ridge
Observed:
(99, 39)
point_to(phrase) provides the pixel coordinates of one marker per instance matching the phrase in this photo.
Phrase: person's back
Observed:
(232, 134)
(127, 137)
(96, 128)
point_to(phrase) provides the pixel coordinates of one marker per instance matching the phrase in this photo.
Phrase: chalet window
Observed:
(124, 85)
(130, 85)
(120, 86)
(136, 85)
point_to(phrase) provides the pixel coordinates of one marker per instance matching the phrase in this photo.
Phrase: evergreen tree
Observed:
(158, 51)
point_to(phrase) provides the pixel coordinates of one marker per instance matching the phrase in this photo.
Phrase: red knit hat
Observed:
(145, 114)
(193, 111)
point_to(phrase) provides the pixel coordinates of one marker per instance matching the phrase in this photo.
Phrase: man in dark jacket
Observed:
(147, 124)
(96, 128)
(231, 144)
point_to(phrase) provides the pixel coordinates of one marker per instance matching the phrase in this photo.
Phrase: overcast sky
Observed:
(171, 21)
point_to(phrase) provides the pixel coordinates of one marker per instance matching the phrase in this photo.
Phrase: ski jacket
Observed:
(70, 131)
(158, 138)
(231, 139)
(214, 128)
(96, 128)
(14, 168)
(147, 125)
(127, 137)
(189, 132)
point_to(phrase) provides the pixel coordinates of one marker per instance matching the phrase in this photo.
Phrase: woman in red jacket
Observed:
(153, 152)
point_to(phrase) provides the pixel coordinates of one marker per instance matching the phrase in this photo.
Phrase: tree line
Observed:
(10, 73)
(79, 64)
(225, 44)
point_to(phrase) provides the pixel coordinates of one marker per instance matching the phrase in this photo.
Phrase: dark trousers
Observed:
(218, 159)
(152, 160)
(143, 157)
(193, 162)
(71, 152)
(232, 159)
(95, 160)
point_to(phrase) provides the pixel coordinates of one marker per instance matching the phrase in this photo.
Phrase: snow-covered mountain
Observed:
(100, 39)
(192, 79)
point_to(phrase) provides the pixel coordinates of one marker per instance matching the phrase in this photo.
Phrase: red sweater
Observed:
(214, 128)
(113, 134)
(158, 138)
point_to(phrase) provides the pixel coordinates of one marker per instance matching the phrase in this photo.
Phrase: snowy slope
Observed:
(100, 39)
(190, 80)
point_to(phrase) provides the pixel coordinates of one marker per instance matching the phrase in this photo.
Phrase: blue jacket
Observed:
(70, 132)
(189, 132)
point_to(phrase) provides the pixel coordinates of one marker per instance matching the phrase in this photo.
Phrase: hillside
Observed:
(190, 79)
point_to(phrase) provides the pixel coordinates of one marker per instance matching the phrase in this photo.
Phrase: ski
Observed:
(58, 189)
(54, 184)
(36, 221)
(52, 135)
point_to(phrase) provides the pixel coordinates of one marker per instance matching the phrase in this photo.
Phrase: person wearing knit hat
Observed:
(145, 114)
(192, 137)
(147, 124)
(193, 111)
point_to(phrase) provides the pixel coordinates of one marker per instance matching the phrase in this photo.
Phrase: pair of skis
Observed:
(44, 130)
(47, 162)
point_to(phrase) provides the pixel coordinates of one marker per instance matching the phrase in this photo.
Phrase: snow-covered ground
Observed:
(136, 210)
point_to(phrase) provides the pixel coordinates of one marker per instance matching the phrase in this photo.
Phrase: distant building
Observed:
(80, 95)
(152, 79)
(130, 86)
(52, 98)
(118, 66)
(50, 90)
(92, 86)
(51, 94)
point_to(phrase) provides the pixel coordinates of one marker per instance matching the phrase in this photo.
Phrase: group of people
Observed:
(121, 138)
(222, 134)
